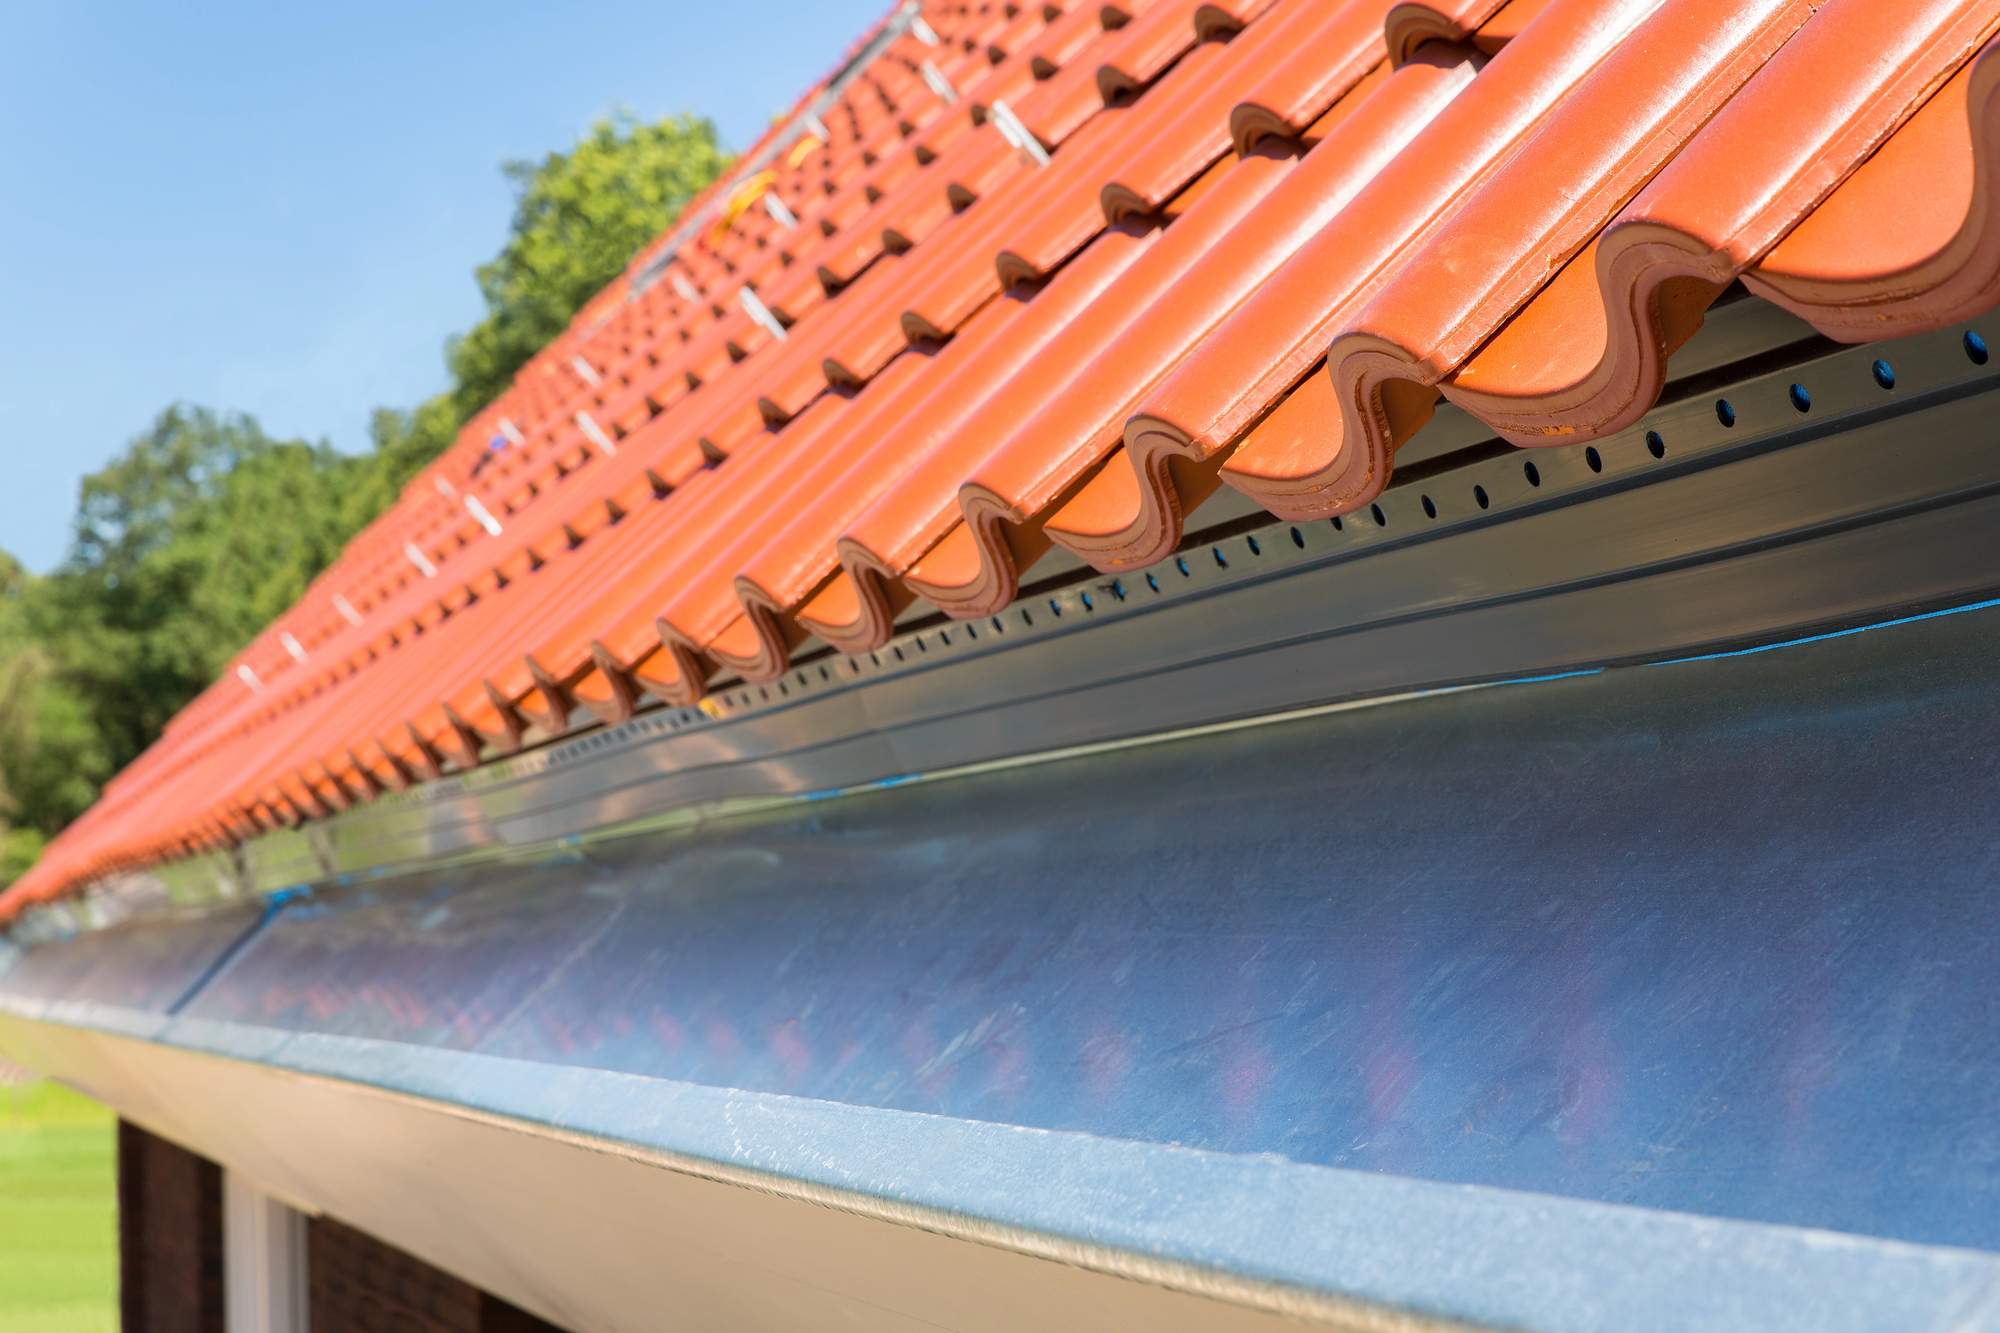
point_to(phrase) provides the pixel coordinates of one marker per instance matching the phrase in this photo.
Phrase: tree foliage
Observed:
(187, 545)
(579, 217)
(206, 528)
(51, 756)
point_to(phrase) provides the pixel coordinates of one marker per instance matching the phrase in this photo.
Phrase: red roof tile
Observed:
(1588, 354)
(1497, 247)
(1854, 273)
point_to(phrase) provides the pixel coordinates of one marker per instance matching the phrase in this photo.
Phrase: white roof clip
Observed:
(346, 608)
(291, 645)
(585, 369)
(923, 31)
(482, 515)
(760, 312)
(417, 558)
(1014, 132)
(935, 80)
(588, 425)
(775, 206)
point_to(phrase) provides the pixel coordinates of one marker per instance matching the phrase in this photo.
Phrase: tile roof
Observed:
(1024, 276)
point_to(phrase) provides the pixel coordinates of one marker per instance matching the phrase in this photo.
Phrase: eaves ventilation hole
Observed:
(1220, 563)
(998, 628)
(1298, 539)
(823, 674)
(1532, 473)
(897, 651)
(876, 658)
(1255, 549)
(1479, 497)
(1800, 398)
(1975, 348)
(1380, 521)
(1337, 524)
(1152, 583)
(1086, 602)
(1592, 457)
(1055, 608)
(1724, 412)
(1655, 446)
(919, 641)
(1180, 563)
(1118, 590)
(971, 630)
(1027, 619)
(1430, 507)
(1885, 374)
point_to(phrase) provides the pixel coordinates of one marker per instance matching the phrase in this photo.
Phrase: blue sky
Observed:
(277, 208)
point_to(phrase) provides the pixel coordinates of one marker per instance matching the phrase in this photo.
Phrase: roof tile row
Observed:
(1039, 276)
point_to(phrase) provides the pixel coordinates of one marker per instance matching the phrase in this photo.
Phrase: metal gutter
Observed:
(1645, 997)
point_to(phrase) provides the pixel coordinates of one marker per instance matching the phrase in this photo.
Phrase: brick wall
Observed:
(169, 1236)
(171, 1256)
(361, 1285)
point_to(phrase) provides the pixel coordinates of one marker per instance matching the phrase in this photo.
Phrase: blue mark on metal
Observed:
(274, 903)
(1835, 634)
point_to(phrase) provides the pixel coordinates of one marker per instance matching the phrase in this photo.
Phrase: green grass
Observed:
(58, 1213)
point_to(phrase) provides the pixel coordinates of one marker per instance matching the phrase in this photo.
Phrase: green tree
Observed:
(579, 217)
(188, 544)
(52, 760)
(51, 757)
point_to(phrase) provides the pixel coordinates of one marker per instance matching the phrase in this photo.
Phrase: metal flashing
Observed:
(1587, 560)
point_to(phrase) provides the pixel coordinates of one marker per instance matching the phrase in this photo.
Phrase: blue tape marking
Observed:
(273, 905)
(1833, 634)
